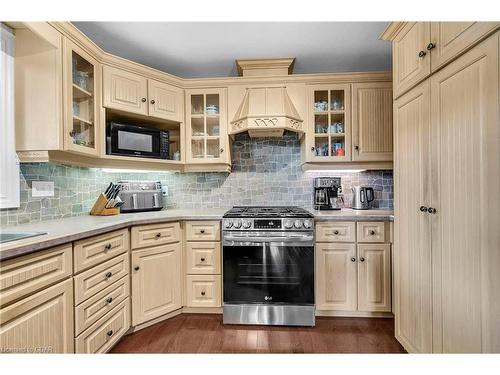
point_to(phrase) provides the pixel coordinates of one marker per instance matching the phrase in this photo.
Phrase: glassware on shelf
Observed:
(82, 79)
(177, 155)
(321, 106)
(76, 109)
(212, 109)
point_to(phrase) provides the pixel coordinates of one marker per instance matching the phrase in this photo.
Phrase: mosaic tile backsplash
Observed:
(266, 171)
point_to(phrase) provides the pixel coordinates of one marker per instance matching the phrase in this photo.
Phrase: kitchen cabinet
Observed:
(133, 93)
(81, 100)
(203, 290)
(336, 276)
(412, 255)
(374, 277)
(329, 135)
(206, 126)
(156, 282)
(372, 121)
(40, 323)
(450, 39)
(411, 61)
(446, 181)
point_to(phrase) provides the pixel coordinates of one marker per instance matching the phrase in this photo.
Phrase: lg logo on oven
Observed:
(268, 298)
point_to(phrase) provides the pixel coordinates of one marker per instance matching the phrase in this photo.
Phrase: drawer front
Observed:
(100, 277)
(155, 234)
(335, 232)
(100, 304)
(203, 258)
(102, 335)
(202, 230)
(203, 291)
(95, 250)
(22, 276)
(371, 231)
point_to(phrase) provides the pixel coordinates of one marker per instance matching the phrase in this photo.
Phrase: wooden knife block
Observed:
(99, 208)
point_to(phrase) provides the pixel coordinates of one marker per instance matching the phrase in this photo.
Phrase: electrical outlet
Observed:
(42, 188)
(164, 191)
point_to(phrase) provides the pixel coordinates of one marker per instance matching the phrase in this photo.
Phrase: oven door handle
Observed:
(252, 240)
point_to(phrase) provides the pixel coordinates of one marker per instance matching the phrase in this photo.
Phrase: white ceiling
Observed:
(209, 49)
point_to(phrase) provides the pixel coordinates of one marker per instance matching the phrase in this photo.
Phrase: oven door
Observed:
(135, 141)
(270, 270)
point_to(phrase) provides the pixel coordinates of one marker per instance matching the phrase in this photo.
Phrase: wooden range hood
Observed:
(266, 111)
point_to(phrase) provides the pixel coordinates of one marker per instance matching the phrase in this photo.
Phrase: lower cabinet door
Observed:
(40, 323)
(156, 282)
(336, 282)
(374, 277)
(203, 290)
(103, 334)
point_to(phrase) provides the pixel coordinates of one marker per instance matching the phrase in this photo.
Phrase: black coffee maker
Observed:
(327, 193)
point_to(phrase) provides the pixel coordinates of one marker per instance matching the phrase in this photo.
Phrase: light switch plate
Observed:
(42, 188)
(164, 191)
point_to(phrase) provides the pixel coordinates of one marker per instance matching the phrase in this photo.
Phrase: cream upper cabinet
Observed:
(165, 101)
(206, 126)
(40, 323)
(336, 280)
(156, 282)
(125, 91)
(410, 58)
(412, 254)
(465, 170)
(82, 98)
(374, 277)
(329, 135)
(450, 39)
(372, 121)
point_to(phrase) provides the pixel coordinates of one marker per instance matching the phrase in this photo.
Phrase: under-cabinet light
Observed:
(118, 170)
(335, 170)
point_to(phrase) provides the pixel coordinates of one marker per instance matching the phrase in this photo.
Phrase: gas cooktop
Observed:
(267, 212)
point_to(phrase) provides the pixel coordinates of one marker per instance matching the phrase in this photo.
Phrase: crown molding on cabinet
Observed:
(392, 30)
(265, 67)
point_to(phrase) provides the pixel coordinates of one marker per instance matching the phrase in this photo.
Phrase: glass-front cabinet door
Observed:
(82, 97)
(206, 126)
(330, 136)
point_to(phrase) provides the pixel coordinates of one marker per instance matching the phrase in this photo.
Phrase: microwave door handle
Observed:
(155, 200)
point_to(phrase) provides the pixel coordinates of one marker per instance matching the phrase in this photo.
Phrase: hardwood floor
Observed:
(205, 333)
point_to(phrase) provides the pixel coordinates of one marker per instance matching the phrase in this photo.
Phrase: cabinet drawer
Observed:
(203, 258)
(203, 291)
(95, 250)
(96, 279)
(155, 234)
(335, 232)
(202, 230)
(102, 335)
(373, 231)
(97, 306)
(22, 276)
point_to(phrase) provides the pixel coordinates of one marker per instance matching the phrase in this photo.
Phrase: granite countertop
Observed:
(70, 229)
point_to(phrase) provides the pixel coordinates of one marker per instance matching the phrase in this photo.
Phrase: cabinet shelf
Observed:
(202, 137)
(79, 93)
(76, 118)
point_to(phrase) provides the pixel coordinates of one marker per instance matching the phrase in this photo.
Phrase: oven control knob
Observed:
(237, 223)
(228, 224)
(308, 224)
(247, 224)
(298, 224)
(288, 224)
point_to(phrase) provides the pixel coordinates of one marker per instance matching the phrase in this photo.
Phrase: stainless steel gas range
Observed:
(268, 266)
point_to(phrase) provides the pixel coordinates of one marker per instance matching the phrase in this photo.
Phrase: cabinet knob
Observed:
(335, 232)
(153, 101)
(430, 46)
(109, 300)
(143, 100)
(361, 259)
(202, 231)
(202, 259)
(110, 333)
(353, 259)
(72, 133)
(108, 275)
(431, 210)
(221, 150)
(136, 268)
(107, 247)
(313, 148)
(423, 208)
(422, 54)
(356, 147)
(202, 293)
(372, 232)
(158, 235)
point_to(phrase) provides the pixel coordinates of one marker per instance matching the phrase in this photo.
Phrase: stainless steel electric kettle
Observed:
(361, 197)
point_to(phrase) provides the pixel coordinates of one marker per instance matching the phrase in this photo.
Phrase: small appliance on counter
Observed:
(361, 197)
(327, 193)
(140, 196)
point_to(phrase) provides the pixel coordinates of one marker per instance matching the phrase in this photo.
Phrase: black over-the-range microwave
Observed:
(132, 140)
